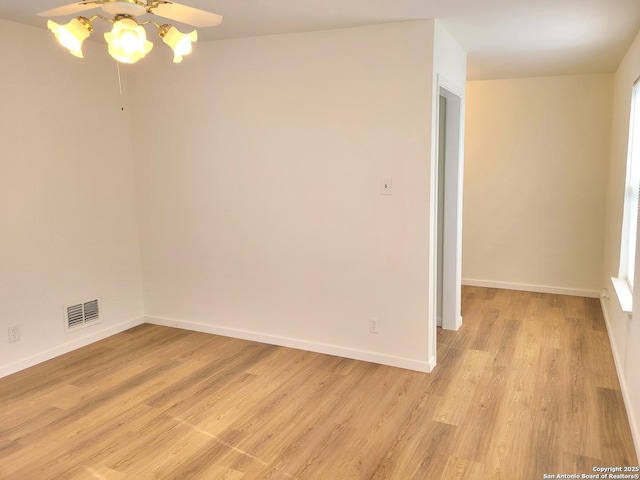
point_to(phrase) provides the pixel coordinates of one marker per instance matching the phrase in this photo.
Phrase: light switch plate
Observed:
(385, 186)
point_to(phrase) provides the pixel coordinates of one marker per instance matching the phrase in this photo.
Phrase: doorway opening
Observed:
(448, 280)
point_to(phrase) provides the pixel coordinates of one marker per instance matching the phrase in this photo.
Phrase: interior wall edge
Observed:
(525, 287)
(336, 350)
(617, 360)
(76, 343)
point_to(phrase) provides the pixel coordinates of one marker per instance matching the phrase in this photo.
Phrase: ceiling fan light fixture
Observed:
(127, 41)
(180, 43)
(131, 8)
(72, 34)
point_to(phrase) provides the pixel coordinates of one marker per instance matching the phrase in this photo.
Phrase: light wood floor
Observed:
(526, 387)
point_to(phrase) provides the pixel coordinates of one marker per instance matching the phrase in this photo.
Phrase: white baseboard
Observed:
(355, 354)
(576, 292)
(88, 338)
(633, 421)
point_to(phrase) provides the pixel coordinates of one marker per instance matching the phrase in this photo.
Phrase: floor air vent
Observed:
(82, 315)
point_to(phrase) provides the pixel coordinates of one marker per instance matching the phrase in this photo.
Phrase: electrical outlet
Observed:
(14, 333)
(374, 325)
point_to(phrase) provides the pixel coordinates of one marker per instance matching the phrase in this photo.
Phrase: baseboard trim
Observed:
(89, 338)
(355, 354)
(633, 421)
(576, 292)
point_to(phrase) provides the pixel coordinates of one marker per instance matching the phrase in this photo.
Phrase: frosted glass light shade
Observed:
(128, 41)
(72, 34)
(180, 43)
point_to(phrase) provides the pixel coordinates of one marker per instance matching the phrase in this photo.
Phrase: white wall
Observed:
(449, 58)
(450, 74)
(67, 202)
(535, 181)
(259, 194)
(259, 166)
(624, 332)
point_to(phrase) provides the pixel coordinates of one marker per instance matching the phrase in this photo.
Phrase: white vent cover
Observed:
(81, 315)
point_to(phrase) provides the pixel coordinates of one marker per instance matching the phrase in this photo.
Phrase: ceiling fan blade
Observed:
(184, 14)
(70, 9)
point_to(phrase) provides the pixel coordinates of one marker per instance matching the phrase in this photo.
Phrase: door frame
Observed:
(453, 186)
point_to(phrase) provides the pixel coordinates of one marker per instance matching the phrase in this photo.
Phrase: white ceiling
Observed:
(504, 38)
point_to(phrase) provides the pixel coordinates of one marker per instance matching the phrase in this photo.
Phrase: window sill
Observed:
(624, 294)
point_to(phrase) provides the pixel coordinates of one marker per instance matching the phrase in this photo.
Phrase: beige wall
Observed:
(258, 169)
(259, 189)
(67, 201)
(535, 178)
(623, 331)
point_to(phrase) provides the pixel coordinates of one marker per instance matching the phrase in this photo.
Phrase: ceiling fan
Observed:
(127, 40)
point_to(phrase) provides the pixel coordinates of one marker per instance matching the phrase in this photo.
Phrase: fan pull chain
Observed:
(120, 85)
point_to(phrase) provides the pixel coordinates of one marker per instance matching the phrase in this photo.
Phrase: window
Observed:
(632, 192)
(624, 284)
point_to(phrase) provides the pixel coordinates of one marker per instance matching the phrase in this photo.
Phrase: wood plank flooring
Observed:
(527, 387)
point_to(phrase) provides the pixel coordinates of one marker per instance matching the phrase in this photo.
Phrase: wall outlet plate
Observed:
(14, 333)
(374, 325)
